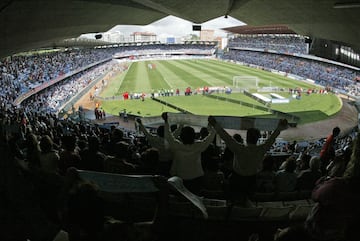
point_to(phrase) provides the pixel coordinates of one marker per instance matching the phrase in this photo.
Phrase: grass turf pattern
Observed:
(195, 73)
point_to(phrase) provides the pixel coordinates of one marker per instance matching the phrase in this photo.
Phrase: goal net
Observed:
(246, 82)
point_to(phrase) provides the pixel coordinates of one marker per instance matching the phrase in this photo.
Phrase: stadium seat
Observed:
(263, 197)
(300, 212)
(275, 213)
(244, 213)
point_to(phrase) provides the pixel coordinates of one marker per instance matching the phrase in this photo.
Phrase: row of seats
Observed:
(261, 211)
(218, 210)
(138, 196)
(263, 196)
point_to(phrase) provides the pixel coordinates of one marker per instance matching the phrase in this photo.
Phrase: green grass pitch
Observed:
(194, 73)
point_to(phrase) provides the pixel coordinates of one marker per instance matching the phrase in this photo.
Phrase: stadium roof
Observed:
(27, 24)
(266, 29)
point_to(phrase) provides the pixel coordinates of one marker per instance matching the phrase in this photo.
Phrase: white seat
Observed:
(270, 204)
(300, 212)
(245, 213)
(276, 213)
(296, 202)
(217, 212)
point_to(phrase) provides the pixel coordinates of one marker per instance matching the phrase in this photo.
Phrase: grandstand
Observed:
(322, 73)
(270, 37)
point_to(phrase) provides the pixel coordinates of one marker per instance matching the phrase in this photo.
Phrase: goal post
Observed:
(246, 82)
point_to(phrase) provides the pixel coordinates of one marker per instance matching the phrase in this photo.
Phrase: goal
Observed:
(246, 82)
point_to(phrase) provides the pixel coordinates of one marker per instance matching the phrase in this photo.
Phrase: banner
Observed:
(244, 123)
(227, 122)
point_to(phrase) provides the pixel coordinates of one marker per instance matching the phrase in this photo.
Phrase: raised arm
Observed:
(177, 131)
(282, 125)
(147, 134)
(229, 141)
(167, 134)
(208, 139)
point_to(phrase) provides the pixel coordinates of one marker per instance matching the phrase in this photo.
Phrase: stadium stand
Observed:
(281, 43)
(33, 196)
(338, 78)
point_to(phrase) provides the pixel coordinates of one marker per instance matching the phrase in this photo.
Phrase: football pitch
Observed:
(155, 75)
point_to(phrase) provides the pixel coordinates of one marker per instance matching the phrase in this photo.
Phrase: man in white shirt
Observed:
(187, 155)
(247, 158)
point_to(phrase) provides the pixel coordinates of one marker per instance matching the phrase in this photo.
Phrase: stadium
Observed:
(83, 114)
(219, 83)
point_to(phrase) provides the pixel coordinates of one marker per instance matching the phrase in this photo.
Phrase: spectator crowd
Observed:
(324, 74)
(280, 43)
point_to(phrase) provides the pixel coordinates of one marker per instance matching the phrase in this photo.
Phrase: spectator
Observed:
(285, 179)
(327, 152)
(116, 136)
(228, 156)
(49, 157)
(307, 178)
(69, 157)
(337, 167)
(84, 216)
(33, 152)
(187, 155)
(159, 142)
(336, 213)
(150, 162)
(302, 162)
(213, 177)
(266, 177)
(247, 159)
(92, 158)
